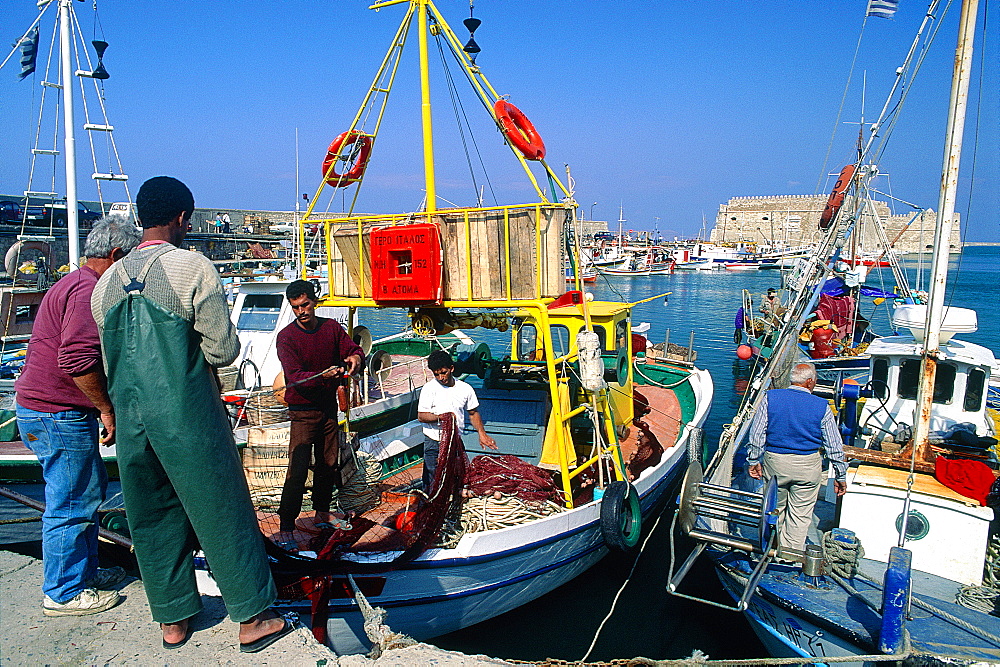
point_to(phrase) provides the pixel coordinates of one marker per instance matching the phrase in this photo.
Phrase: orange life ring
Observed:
(362, 152)
(836, 199)
(519, 131)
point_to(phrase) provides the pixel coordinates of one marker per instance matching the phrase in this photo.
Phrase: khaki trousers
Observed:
(799, 477)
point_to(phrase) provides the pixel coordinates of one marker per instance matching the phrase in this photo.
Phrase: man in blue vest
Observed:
(787, 432)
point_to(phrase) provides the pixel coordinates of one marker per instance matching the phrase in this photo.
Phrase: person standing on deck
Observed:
(62, 401)
(444, 394)
(165, 327)
(787, 431)
(315, 354)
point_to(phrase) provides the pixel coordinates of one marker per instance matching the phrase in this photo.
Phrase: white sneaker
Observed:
(107, 578)
(89, 601)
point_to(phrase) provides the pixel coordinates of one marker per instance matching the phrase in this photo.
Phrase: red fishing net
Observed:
(510, 476)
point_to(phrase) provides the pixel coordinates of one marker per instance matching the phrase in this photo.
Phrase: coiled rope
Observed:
(842, 557)
(360, 493)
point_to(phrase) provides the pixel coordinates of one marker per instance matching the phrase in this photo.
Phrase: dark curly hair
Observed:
(161, 199)
(439, 359)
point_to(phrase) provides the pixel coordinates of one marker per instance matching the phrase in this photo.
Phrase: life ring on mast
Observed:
(621, 517)
(361, 152)
(836, 198)
(519, 131)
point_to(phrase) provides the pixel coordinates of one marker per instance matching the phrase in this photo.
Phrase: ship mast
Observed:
(942, 231)
(69, 138)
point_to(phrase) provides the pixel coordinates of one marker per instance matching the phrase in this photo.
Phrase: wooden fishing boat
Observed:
(592, 432)
(905, 565)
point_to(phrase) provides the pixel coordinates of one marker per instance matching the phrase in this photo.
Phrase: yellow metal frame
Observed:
(429, 20)
(363, 224)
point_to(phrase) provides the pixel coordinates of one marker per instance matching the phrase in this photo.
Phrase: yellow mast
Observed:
(425, 110)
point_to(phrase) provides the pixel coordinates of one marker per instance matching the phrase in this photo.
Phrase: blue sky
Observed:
(666, 108)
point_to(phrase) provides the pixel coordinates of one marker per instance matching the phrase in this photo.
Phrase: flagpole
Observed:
(69, 138)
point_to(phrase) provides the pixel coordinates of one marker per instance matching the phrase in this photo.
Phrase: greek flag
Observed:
(29, 52)
(883, 9)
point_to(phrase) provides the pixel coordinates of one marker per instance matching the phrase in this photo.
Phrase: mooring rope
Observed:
(381, 635)
(614, 602)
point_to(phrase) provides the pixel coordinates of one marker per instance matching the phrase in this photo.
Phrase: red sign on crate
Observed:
(406, 264)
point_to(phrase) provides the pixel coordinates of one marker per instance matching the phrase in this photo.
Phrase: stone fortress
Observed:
(793, 220)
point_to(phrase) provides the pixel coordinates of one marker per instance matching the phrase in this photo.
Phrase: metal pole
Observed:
(69, 139)
(942, 231)
(425, 111)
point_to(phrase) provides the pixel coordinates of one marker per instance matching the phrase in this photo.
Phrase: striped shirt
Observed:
(833, 445)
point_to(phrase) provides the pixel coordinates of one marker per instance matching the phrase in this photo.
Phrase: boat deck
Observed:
(384, 527)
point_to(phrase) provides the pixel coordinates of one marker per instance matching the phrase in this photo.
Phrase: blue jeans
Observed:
(66, 444)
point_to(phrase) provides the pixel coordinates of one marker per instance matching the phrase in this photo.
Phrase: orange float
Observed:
(836, 198)
(519, 131)
(361, 154)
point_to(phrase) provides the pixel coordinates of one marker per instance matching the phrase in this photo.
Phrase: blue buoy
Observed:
(895, 601)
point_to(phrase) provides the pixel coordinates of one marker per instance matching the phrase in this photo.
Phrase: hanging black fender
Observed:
(621, 517)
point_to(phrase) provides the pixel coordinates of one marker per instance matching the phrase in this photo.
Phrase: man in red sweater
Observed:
(315, 354)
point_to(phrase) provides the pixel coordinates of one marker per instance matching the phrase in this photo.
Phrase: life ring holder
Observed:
(621, 516)
(836, 198)
(361, 152)
(519, 131)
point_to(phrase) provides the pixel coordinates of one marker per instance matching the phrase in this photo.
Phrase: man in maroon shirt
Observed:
(62, 399)
(315, 354)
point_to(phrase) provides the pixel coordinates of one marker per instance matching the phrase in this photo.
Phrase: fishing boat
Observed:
(904, 566)
(648, 262)
(36, 258)
(592, 432)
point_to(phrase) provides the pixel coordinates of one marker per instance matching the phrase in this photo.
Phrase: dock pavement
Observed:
(126, 635)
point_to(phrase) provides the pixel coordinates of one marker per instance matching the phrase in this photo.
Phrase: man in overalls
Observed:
(164, 327)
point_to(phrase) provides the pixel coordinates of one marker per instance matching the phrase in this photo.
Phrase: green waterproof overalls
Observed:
(181, 474)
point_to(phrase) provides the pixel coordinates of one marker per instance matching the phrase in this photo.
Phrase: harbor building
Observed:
(793, 220)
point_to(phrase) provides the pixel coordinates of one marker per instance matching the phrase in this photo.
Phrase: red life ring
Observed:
(363, 152)
(519, 131)
(836, 199)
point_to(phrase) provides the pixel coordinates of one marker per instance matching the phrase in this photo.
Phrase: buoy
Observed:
(405, 521)
(744, 352)
(821, 344)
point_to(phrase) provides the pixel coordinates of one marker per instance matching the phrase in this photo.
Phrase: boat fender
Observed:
(621, 518)
(836, 198)
(361, 152)
(519, 131)
(588, 345)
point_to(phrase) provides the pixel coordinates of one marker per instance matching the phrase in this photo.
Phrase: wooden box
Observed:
(503, 253)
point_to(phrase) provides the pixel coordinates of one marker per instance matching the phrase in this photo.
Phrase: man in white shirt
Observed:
(440, 396)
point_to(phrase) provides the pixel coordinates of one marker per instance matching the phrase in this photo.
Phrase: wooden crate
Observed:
(476, 238)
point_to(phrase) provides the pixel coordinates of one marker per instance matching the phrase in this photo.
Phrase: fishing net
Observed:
(388, 522)
(510, 476)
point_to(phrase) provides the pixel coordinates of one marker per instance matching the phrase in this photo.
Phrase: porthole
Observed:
(917, 526)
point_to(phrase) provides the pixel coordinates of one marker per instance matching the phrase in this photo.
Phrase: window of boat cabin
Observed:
(880, 377)
(527, 341)
(560, 339)
(909, 378)
(259, 312)
(622, 332)
(974, 385)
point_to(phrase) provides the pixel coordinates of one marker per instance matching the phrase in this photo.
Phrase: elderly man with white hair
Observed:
(62, 403)
(787, 432)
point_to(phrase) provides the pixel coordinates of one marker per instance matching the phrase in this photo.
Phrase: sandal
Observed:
(267, 640)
